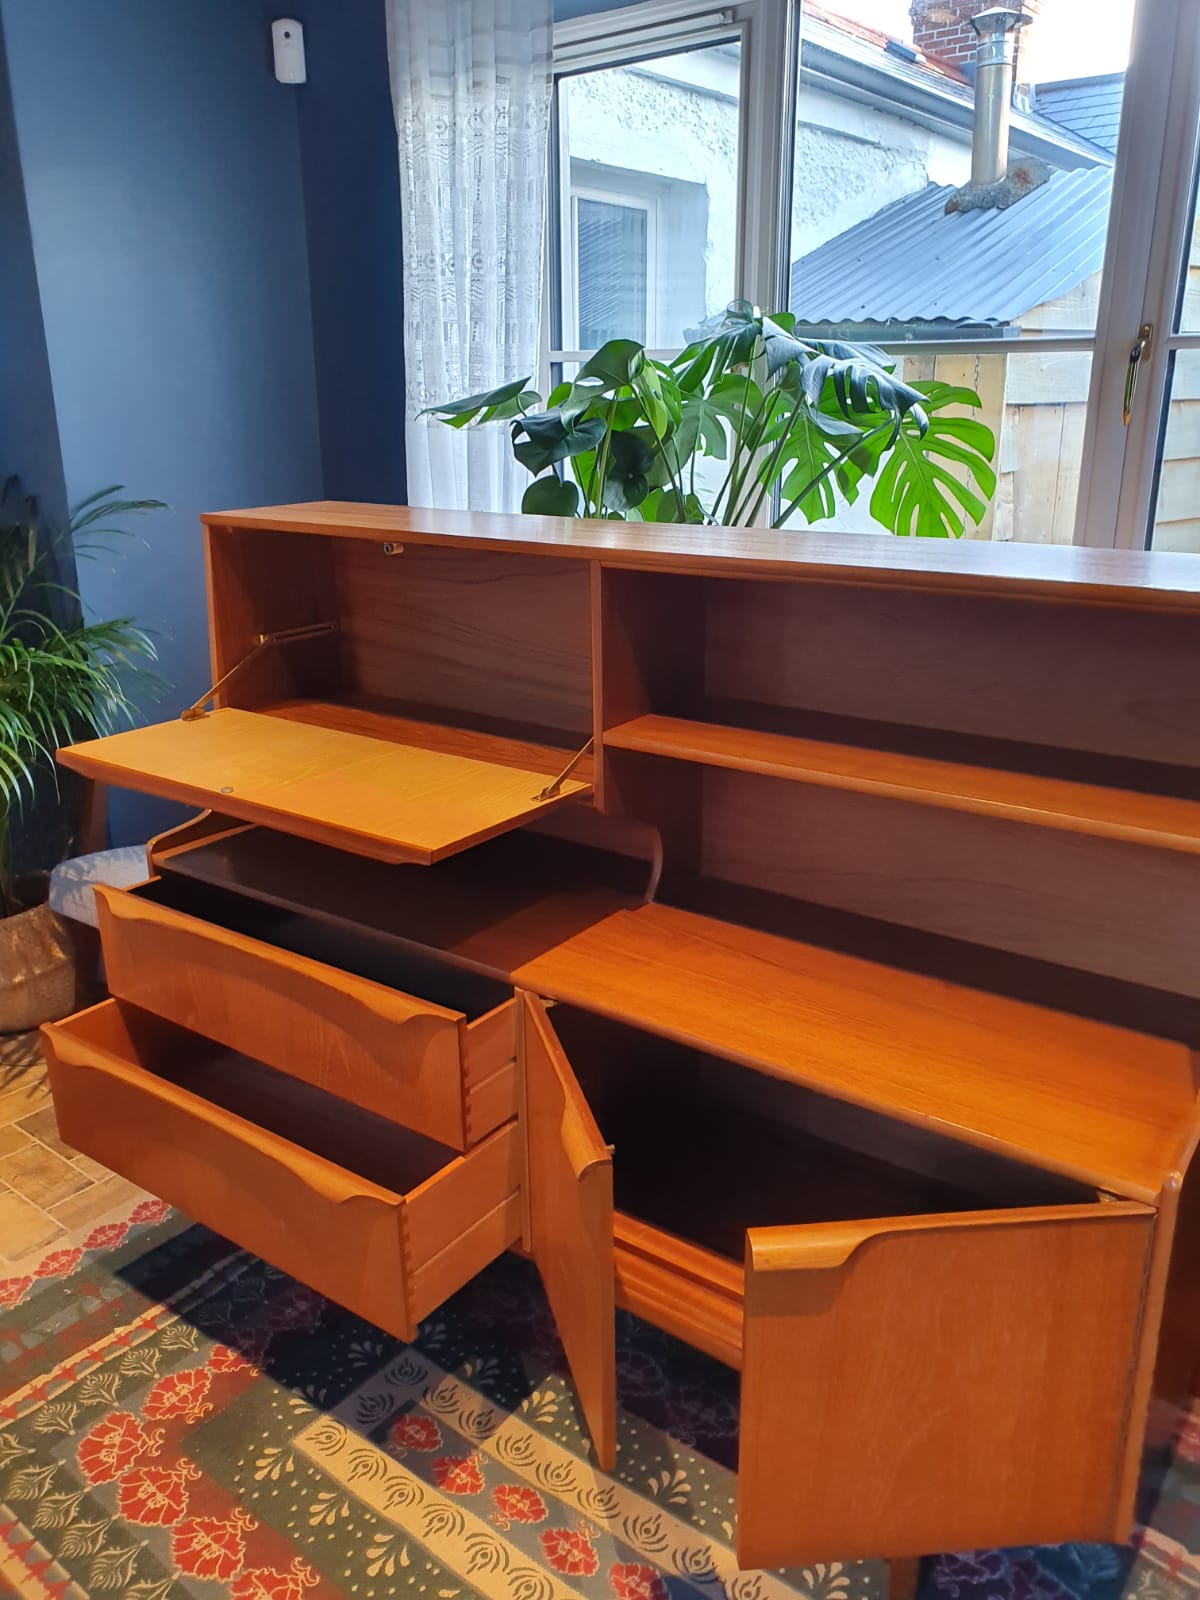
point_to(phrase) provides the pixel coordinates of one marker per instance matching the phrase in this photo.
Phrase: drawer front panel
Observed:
(968, 1376)
(385, 1051)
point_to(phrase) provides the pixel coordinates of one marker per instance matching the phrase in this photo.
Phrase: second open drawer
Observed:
(337, 1007)
(381, 1220)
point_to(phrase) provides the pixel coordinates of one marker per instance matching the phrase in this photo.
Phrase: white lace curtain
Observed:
(471, 83)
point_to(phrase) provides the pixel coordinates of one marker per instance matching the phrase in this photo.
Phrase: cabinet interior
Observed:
(704, 1150)
(468, 653)
(362, 1143)
(946, 763)
(956, 676)
(361, 949)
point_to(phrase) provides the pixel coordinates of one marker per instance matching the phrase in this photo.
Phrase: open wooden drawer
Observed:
(384, 1221)
(345, 1010)
(951, 1333)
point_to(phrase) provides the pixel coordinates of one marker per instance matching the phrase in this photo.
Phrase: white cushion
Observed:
(72, 882)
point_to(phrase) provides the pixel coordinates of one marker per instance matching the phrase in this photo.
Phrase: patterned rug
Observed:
(181, 1420)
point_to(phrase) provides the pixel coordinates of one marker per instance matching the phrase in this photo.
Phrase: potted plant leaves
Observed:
(63, 677)
(777, 422)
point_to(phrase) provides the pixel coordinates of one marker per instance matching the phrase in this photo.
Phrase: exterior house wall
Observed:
(676, 122)
(852, 160)
(657, 132)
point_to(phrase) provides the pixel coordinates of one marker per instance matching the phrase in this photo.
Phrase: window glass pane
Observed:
(649, 197)
(612, 269)
(1176, 523)
(1035, 404)
(884, 145)
(1188, 320)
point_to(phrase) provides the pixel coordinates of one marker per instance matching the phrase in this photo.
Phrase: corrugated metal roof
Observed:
(912, 263)
(1089, 107)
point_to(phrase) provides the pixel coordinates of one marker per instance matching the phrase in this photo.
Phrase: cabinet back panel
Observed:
(1094, 904)
(493, 635)
(1087, 678)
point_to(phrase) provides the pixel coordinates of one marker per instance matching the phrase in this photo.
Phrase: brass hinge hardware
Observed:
(555, 786)
(1137, 355)
(263, 641)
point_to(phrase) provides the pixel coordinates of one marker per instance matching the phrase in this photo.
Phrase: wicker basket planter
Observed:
(37, 970)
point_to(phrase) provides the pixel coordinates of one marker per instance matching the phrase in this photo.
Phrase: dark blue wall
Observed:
(161, 169)
(28, 424)
(352, 205)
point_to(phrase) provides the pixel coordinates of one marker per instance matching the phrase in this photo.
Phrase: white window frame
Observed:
(1147, 242)
(1153, 181)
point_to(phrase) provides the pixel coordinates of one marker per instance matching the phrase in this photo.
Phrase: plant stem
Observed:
(767, 473)
(676, 484)
(735, 477)
(602, 455)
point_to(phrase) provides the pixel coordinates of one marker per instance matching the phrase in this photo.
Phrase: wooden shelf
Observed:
(384, 787)
(1094, 1102)
(1163, 821)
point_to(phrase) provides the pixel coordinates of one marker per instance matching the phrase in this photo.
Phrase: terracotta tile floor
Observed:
(50, 1195)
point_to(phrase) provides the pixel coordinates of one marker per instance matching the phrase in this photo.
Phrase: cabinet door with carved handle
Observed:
(922, 1384)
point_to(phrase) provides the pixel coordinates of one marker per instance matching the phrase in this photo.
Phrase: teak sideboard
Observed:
(792, 938)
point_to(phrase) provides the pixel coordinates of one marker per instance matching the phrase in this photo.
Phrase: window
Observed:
(648, 162)
(812, 158)
(1175, 515)
(613, 240)
(893, 242)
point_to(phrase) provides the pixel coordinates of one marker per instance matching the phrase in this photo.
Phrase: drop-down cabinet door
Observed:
(933, 1383)
(399, 793)
(571, 1220)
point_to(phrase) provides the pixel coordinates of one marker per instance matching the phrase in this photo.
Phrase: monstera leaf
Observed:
(544, 437)
(627, 473)
(552, 496)
(495, 405)
(927, 484)
(813, 462)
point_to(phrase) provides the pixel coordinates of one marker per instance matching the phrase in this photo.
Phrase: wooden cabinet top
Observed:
(1130, 578)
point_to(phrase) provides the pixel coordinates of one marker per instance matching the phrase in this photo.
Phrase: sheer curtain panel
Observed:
(471, 83)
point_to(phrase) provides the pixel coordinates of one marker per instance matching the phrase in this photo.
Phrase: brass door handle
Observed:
(1136, 356)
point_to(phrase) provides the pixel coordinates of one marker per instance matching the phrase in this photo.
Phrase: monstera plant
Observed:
(750, 416)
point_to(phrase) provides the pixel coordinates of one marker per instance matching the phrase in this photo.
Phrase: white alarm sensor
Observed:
(287, 36)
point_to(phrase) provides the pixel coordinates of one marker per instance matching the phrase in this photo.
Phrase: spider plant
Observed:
(62, 676)
(789, 425)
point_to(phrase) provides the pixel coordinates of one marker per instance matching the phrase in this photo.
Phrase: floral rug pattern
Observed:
(182, 1421)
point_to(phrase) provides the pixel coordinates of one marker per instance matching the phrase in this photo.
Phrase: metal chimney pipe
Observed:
(995, 57)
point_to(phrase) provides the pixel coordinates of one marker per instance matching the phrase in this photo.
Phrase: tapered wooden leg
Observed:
(903, 1576)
